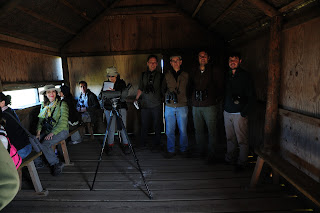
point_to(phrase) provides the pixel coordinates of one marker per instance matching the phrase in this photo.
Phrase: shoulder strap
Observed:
(18, 122)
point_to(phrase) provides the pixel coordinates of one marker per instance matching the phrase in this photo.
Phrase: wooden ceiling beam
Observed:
(44, 19)
(264, 7)
(198, 8)
(25, 37)
(100, 17)
(83, 14)
(290, 6)
(225, 13)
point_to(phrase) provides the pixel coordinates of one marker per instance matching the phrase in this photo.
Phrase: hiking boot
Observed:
(109, 150)
(57, 169)
(126, 149)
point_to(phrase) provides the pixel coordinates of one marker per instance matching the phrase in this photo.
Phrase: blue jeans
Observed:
(175, 115)
(47, 146)
(123, 113)
(205, 118)
(25, 151)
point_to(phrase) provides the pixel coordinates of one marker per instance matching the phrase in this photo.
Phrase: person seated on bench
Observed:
(9, 177)
(87, 106)
(74, 116)
(52, 126)
(18, 137)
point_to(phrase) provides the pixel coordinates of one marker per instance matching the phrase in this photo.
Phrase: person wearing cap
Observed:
(52, 125)
(174, 87)
(87, 106)
(207, 94)
(114, 83)
(74, 116)
(149, 94)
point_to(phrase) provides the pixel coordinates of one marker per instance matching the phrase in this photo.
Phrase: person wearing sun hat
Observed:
(52, 126)
(114, 83)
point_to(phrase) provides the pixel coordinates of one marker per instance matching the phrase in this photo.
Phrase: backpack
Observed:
(12, 151)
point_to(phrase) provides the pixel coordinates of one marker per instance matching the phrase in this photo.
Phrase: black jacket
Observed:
(74, 115)
(17, 136)
(239, 94)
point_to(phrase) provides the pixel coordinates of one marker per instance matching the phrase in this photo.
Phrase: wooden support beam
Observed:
(83, 14)
(225, 13)
(65, 69)
(274, 68)
(27, 48)
(264, 7)
(8, 7)
(89, 26)
(44, 19)
(290, 6)
(14, 34)
(198, 8)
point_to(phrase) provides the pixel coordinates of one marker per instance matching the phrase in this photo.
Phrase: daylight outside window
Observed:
(23, 98)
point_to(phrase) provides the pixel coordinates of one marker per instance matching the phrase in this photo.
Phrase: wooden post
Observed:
(273, 84)
(65, 70)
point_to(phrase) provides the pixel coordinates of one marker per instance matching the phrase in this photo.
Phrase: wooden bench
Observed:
(64, 145)
(28, 161)
(302, 182)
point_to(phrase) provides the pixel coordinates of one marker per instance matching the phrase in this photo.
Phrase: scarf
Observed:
(47, 110)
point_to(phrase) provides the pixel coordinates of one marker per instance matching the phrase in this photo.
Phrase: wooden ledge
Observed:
(301, 181)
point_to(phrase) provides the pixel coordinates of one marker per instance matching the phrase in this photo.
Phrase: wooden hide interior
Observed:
(66, 41)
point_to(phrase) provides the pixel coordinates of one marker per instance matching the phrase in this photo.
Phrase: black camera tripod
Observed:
(113, 112)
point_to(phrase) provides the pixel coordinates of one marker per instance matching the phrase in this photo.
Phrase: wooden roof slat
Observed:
(77, 11)
(198, 8)
(143, 9)
(9, 6)
(44, 19)
(264, 7)
(225, 13)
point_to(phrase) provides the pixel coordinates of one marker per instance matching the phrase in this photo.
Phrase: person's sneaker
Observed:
(57, 169)
(74, 142)
(126, 149)
(39, 164)
(109, 150)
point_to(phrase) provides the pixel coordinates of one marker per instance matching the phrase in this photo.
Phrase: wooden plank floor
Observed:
(177, 185)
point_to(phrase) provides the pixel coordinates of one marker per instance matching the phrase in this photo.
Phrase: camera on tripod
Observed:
(172, 96)
(200, 95)
(114, 97)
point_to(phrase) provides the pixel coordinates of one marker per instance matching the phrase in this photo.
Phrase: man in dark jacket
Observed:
(239, 100)
(149, 92)
(87, 106)
(207, 92)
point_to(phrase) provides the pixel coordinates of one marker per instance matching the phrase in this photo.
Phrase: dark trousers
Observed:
(148, 116)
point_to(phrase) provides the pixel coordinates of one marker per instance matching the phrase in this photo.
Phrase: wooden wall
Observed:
(24, 66)
(299, 92)
(141, 33)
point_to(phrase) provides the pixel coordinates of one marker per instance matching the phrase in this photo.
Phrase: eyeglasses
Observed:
(112, 76)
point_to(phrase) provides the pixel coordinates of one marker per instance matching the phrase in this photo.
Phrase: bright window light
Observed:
(23, 98)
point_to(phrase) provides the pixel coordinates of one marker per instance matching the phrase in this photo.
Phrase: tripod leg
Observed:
(134, 154)
(102, 149)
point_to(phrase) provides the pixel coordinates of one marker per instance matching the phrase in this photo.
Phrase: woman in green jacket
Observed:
(53, 125)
